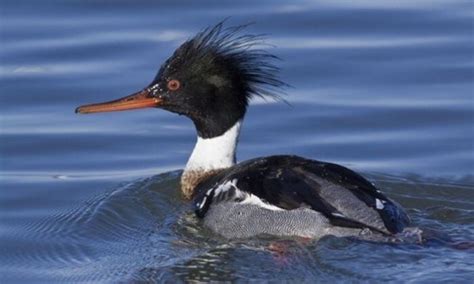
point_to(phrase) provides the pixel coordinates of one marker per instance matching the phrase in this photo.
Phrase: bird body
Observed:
(210, 79)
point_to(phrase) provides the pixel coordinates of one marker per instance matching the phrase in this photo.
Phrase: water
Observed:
(383, 87)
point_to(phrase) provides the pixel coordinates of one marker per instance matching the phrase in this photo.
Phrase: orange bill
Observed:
(142, 99)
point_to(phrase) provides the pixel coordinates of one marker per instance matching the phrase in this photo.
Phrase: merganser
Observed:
(210, 78)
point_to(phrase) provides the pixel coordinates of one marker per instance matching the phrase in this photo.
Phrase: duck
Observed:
(211, 78)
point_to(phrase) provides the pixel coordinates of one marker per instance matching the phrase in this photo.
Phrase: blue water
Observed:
(383, 87)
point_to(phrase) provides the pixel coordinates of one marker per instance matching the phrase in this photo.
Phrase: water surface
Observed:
(383, 87)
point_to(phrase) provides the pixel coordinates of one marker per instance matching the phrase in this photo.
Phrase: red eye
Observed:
(173, 85)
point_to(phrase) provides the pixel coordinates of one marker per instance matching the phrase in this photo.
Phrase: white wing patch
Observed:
(226, 186)
(254, 200)
(248, 198)
(379, 204)
(244, 197)
(201, 204)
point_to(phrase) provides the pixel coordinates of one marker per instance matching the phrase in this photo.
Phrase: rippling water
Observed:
(384, 87)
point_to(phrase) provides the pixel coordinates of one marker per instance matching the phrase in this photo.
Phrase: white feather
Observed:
(226, 186)
(379, 204)
(246, 198)
(215, 153)
(254, 200)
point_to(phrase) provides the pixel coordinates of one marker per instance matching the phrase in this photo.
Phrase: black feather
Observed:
(243, 53)
(219, 69)
(291, 182)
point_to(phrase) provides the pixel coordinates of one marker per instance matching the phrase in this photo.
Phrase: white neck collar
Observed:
(216, 152)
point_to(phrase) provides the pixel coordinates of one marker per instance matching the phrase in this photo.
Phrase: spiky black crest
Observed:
(218, 71)
(243, 52)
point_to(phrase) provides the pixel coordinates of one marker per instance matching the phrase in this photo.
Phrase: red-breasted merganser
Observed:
(210, 78)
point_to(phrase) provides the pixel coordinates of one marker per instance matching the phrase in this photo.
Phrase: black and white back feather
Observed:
(289, 182)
